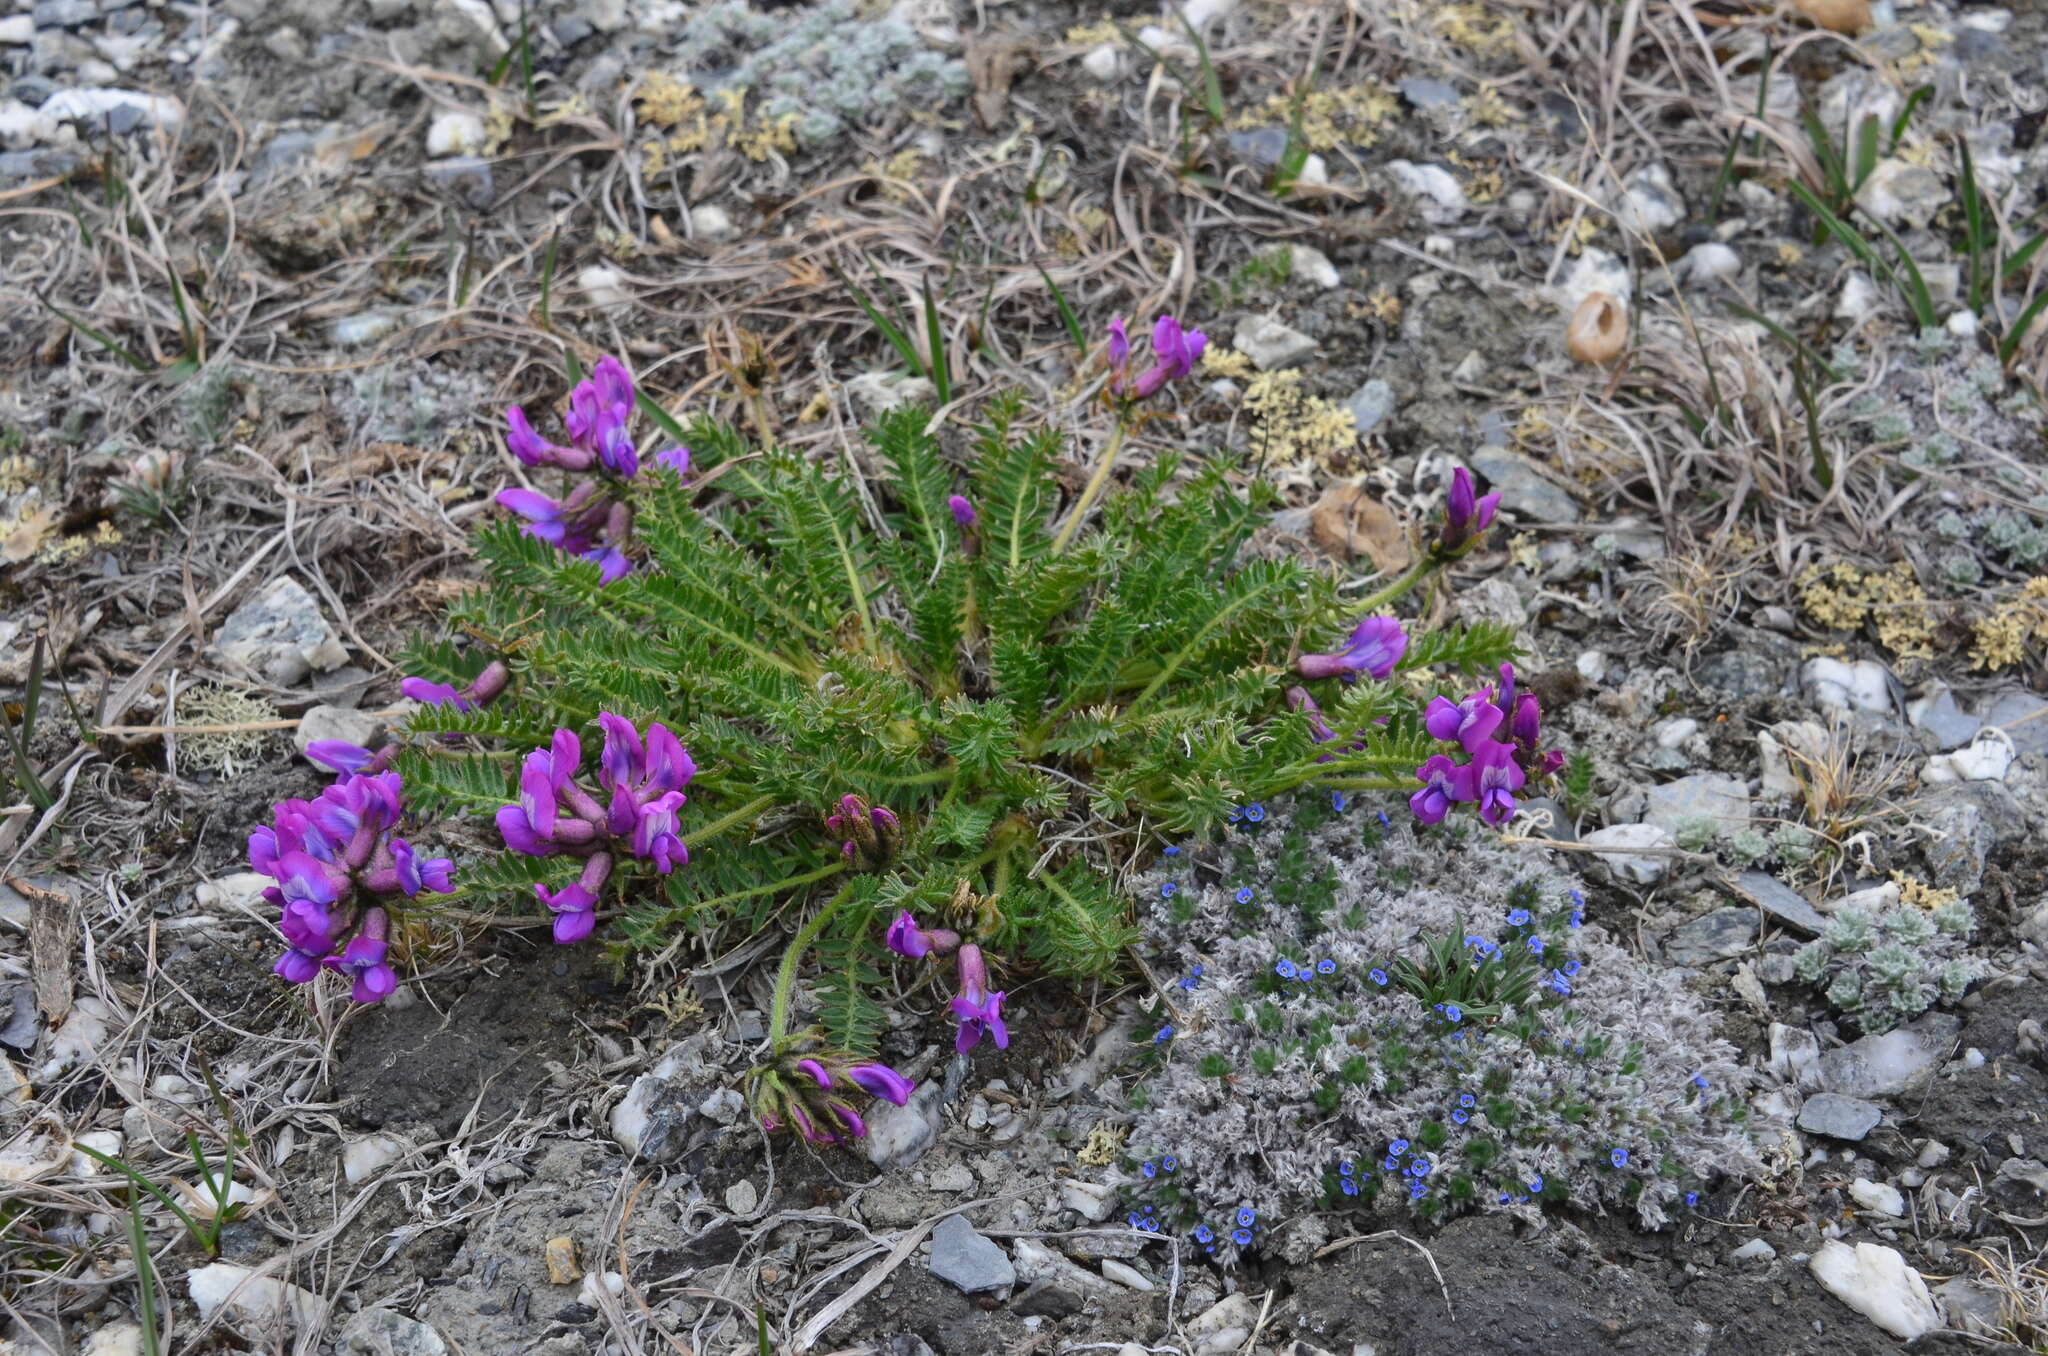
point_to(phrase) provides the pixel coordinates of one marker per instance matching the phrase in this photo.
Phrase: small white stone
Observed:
(18, 30)
(1756, 1250)
(1090, 1200)
(108, 1142)
(456, 131)
(1315, 173)
(1902, 193)
(94, 105)
(1711, 262)
(1985, 758)
(1885, 1200)
(709, 221)
(1876, 1282)
(1124, 1274)
(1988, 20)
(1592, 665)
(364, 729)
(118, 1339)
(1862, 686)
(604, 286)
(723, 1106)
(1650, 202)
(260, 1299)
(1860, 299)
(367, 327)
(1933, 1154)
(597, 1285)
(1434, 184)
(951, 1177)
(1312, 265)
(1271, 345)
(1962, 324)
(1103, 62)
(1672, 733)
(1973, 1058)
(1595, 270)
(366, 1157)
(1200, 12)
(742, 1196)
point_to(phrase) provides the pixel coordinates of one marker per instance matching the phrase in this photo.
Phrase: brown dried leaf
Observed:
(25, 536)
(992, 66)
(52, 942)
(1347, 522)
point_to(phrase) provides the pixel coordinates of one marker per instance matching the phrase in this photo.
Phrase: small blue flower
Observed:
(1578, 899)
(1454, 1012)
(1416, 1191)
(1421, 1168)
(1466, 1099)
(1399, 1146)
(1326, 966)
(1284, 968)
(1461, 1116)
(1345, 1168)
(1195, 970)
(1188, 984)
(1173, 852)
(1246, 1217)
(1349, 1185)
(1149, 1168)
(1505, 1198)
(1169, 890)
(1244, 894)
(1168, 1163)
(1571, 967)
(1378, 977)
(1165, 1034)
(1619, 1158)
(1692, 1198)
(1339, 802)
(1242, 1237)
(1535, 1185)
(1699, 1080)
(1558, 982)
(1384, 821)
(1392, 1165)
(1518, 918)
(1204, 1234)
(1578, 919)
(1479, 944)
(1536, 946)
(1255, 813)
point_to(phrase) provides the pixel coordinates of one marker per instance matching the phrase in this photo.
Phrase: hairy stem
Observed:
(1092, 490)
(785, 977)
(1415, 574)
(726, 821)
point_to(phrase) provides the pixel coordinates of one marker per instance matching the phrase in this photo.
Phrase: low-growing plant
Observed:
(1887, 968)
(1446, 1033)
(831, 705)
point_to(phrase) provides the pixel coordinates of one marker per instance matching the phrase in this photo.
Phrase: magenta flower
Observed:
(1174, 354)
(1440, 790)
(906, 938)
(1376, 646)
(560, 523)
(962, 510)
(363, 960)
(657, 835)
(612, 564)
(1471, 722)
(338, 755)
(308, 931)
(1491, 778)
(881, 1081)
(429, 693)
(1119, 345)
(417, 873)
(533, 450)
(979, 1011)
(575, 904)
(676, 459)
(1465, 515)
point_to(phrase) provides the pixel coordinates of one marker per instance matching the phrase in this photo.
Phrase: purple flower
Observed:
(575, 911)
(657, 836)
(1465, 514)
(979, 1011)
(1471, 722)
(1491, 778)
(1377, 644)
(429, 693)
(906, 938)
(308, 930)
(962, 510)
(363, 958)
(556, 522)
(1439, 778)
(611, 563)
(1119, 345)
(1318, 728)
(416, 873)
(879, 1080)
(819, 1074)
(533, 450)
(1174, 354)
(676, 459)
(338, 755)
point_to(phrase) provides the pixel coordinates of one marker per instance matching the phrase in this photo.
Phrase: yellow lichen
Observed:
(1789, 254)
(1842, 597)
(1482, 30)
(691, 122)
(1489, 109)
(2001, 638)
(1105, 1146)
(1095, 34)
(1920, 894)
(816, 408)
(1330, 117)
(1533, 428)
(1289, 425)
(1382, 305)
(1225, 362)
(16, 474)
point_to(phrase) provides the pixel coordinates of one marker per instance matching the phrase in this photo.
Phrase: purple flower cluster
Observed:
(868, 834)
(593, 520)
(818, 1109)
(642, 781)
(328, 857)
(1495, 769)
(1175, 352)
(1467, 515)
(979, 1012)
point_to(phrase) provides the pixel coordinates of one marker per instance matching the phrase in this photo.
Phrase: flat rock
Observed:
(962, 1258)
(1876, 1282)
(281, 635)
(2023, 716)
(122, 109)
(1370, 403)
(1423, 92)
(1839, 1117)
(1864, 685)
(1642, 870)
(900, 1135)
(1437, 191)
(1524, 492)
(351, 726)
(260, 1300)
(384, 1332)
(1893, 1064)
(1650, 202)
(1713, 796)
(1939, 715)
(1781, 902)
(1712, 937)
(1271, 345)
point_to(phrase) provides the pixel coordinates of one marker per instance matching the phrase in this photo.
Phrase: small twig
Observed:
(1427, 1256)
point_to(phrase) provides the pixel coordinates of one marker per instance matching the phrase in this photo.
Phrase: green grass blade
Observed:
(935, 339)
(32, 694)
(1917, 295)
(191, 1225)
(126, 355)
(145, 1281)
(2011, 343)
(1067, 316)
(663, 420)
(572, 366)
(891, 331)
(1866, 152)
(2019, 257)
(1973, 224)
(1212, 88)
(1833, 174)
(1913, 102)
(1822, 470)
(1838, 228)
(1800, 346)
